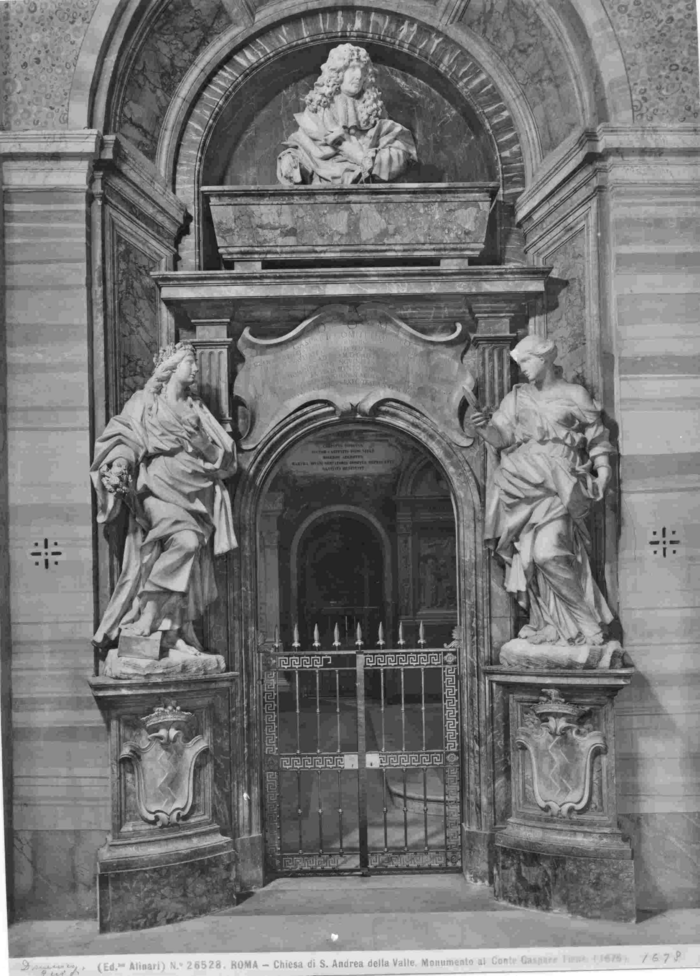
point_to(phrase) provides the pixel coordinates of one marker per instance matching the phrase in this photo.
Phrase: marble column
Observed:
(269, 565)
(214, 359)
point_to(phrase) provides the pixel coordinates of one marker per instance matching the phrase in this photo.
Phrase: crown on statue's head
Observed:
(166, 352)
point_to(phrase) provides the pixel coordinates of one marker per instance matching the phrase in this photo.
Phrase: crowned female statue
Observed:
(344, 135)
(554, 463)
(158, 472)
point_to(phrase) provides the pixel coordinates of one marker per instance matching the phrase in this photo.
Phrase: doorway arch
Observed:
(472, 647)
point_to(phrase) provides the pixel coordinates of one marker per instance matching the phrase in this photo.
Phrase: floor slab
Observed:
(384, 913)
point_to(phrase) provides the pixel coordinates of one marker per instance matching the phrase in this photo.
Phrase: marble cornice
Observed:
(132, 183)
(83, 144)
(509, 282)
(605, 143)
(48, 160)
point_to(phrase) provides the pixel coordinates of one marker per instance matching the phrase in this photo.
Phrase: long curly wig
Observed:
(370, 106)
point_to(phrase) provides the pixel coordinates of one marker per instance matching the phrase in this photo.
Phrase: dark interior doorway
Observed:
(340, 566)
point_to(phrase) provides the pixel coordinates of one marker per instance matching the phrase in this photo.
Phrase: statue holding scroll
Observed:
(344, 135)
(158, 473)
(554, 462)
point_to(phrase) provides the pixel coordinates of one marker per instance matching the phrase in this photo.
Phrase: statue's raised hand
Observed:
(478, 419)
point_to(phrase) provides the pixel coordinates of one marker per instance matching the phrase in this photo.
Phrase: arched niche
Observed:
(453, 144)
(353, 513)
(197, 131)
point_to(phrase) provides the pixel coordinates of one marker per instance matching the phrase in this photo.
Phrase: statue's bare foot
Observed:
(142, 627)
(184, 648)
(547, 635)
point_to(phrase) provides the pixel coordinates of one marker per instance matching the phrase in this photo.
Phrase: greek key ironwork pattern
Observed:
(293, 662)
(451, 707)
(411, 759)
(270, 712)
(408, 859)
(319, 862)
(447, 759)
(404, 659)
(322, 761)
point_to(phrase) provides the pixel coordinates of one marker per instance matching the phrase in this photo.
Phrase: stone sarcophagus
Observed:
(170, 853)
(442, 221)
(561, 848)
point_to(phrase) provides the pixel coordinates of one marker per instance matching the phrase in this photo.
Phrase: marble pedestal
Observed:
(561, 848)
(170, 853)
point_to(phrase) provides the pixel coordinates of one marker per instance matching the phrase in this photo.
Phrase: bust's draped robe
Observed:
(539, 497)
(315, 146)
(177, 506)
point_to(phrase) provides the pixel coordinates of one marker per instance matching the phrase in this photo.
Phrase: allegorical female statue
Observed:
(554, 463)
(158, 472)
(344, 135)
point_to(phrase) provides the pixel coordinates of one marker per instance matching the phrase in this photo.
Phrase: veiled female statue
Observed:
(554, 462)
(344, 135)
(158, 472)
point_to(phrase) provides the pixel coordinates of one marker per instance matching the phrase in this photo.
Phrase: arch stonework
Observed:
(472, 602)
(105, 52)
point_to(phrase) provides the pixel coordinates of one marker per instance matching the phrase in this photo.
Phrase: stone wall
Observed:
(656, 236)
(642, 207)
(60, 758)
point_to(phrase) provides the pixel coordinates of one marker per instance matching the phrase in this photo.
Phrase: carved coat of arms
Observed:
(165, 767)
(562, 753)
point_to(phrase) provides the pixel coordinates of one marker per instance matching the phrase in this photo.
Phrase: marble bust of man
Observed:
(344, 135)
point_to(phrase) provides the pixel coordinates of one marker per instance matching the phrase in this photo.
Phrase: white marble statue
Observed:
(344, 135)
(158, 470)
(553, 464)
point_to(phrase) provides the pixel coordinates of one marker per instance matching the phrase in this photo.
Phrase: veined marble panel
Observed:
(521, 39)
(566, 323)
(181, 30)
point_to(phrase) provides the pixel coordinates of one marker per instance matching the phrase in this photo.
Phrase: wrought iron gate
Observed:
(362, 760)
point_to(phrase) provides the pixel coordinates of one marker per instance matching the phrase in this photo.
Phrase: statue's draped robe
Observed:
(178, 496)
(315, 146)
(539, 497)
